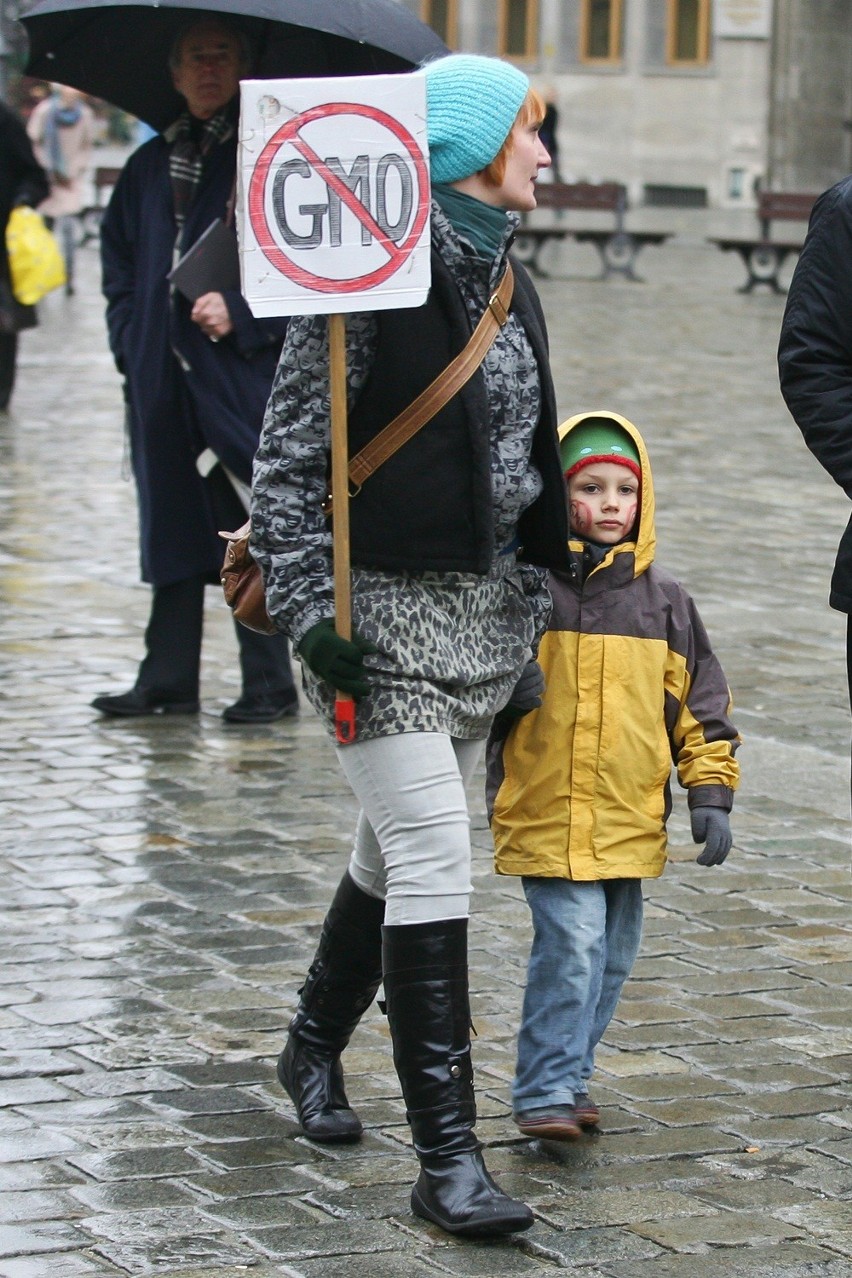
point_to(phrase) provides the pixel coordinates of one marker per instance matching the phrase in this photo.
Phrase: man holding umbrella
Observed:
(197, 378)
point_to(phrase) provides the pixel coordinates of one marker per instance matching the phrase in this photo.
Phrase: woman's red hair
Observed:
(531, 112)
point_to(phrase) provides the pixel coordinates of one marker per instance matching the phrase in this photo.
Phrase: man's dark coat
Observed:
(184, 391)
(815, 355)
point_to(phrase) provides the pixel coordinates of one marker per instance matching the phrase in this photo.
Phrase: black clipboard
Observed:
(210, 265)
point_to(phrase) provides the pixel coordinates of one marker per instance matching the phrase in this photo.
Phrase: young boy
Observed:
(578, 788)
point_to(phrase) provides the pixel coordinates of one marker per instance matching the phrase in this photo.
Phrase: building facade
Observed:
(687, 102)
(810, 122)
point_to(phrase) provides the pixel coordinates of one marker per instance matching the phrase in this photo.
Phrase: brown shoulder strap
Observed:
(436, 395)
(428, 402)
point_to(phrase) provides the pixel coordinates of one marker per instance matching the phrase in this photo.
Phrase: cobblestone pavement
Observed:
(165, 880)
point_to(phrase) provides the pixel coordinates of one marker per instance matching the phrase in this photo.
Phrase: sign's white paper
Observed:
(333, 194)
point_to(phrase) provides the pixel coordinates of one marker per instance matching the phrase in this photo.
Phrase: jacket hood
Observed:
(644, 546)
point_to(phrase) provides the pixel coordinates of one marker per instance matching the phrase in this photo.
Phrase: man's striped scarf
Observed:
(187, 154)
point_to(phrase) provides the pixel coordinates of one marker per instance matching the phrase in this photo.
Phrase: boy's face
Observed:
(603, 499)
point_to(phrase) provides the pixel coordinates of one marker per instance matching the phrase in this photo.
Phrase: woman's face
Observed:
(527, 156)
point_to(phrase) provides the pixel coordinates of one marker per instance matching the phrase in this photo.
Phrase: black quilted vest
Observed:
(429, 507)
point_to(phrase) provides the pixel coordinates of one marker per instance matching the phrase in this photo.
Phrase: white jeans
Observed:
(412, 841)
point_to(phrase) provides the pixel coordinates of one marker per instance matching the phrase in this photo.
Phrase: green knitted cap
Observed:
(598, 439)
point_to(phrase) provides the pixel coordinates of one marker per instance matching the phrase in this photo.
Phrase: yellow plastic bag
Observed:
(35, 259)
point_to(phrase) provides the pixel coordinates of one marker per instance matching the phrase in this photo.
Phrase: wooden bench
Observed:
(762, 255)
(104, 180)
(617, 247)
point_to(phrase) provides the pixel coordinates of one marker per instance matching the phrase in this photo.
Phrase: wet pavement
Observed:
(164, 880)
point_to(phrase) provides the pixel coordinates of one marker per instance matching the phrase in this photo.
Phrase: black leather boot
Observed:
(426, 987)
(340, 986)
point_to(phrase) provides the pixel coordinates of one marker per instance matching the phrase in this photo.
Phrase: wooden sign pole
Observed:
(344, 706)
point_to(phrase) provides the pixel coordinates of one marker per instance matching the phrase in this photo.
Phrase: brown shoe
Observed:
(588, 1114)
(555, 1122)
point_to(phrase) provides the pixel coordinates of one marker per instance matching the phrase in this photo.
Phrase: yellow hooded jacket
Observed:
(579, 789)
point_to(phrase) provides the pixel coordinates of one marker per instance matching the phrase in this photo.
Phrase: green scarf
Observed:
(483, 224)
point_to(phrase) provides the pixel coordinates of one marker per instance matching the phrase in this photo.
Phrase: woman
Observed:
(61, 129)
(22, 181)
(444, 612)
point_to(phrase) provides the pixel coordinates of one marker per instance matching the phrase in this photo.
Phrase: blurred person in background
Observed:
(547, 133)
(22, 181)
(62, 129)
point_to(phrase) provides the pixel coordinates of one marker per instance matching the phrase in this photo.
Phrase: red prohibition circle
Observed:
(257, 209)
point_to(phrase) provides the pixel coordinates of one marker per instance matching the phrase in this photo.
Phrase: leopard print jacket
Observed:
(451, 645)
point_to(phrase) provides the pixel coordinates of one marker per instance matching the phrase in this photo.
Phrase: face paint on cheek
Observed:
(630, 517)
(581, 516)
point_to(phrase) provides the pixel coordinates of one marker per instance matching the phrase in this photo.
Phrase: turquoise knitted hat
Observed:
(471, 105)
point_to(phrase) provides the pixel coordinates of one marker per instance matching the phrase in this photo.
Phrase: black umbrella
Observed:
(119, 51)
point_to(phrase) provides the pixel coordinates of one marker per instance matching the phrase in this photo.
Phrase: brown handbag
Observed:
(242, 584)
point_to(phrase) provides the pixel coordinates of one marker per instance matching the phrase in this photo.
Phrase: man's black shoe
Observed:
(142, 701)
(262, 709)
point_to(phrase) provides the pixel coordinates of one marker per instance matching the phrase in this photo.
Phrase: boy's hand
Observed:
(529, 690)
(526, 696)
(712, 827)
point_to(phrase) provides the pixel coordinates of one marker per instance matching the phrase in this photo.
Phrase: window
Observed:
(736, 183)
(600, 30)
(518, 37)
(676, 197)
(688, 31)
(442, 17)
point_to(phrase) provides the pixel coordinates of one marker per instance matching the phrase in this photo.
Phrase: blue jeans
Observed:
(586, 937)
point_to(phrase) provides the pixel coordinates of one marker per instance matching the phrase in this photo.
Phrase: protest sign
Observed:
(333, 216)
(333, 194)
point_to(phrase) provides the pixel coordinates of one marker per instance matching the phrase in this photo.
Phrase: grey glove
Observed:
(712, 827)
(526, 696)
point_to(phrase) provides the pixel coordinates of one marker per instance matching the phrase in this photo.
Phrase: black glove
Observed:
(339, 662)
(526, 696)
(712, 827)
